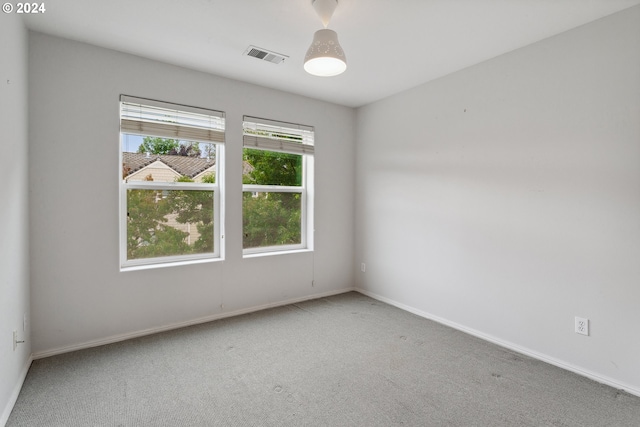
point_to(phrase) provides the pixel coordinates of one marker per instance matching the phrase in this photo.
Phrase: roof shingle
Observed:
(184, 165)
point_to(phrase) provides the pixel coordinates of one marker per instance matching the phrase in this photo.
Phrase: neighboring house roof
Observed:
(184, 165)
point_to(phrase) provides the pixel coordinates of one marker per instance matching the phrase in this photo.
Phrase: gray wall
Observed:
(79, 296)
(505, 199)
(14, 235)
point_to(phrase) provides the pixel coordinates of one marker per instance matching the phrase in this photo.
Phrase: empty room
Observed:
(320, 212)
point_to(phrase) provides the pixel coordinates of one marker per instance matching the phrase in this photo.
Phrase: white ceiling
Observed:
(391, 45)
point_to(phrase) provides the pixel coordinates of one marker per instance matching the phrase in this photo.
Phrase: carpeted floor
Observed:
(346, 360)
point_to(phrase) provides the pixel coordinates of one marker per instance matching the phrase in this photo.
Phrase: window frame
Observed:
(217, 188)
(305, 189)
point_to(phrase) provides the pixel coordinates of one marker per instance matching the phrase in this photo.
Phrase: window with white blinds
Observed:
(140, 116)
(170, 182)
(271, 135)
(277, 186)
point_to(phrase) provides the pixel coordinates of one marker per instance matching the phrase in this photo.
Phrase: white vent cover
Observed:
(265, 55)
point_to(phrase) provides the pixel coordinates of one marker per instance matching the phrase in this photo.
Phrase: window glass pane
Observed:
(262, 167)
(169, 222)
(147, 158)
(271, 219)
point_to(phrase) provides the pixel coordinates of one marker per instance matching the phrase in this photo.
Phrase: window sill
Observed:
(168, 264)
(273, 253)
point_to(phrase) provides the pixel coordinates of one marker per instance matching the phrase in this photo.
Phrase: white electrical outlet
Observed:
(582, 326)
(363, 267)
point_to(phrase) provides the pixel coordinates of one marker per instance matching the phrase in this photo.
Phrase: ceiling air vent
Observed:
(265, 55)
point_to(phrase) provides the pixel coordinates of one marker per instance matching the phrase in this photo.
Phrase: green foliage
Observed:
(149, 235)
(272, 168)
(209, 178)
(189, 149)
(209, 151)
(151, 212)
(156, 145)
(271, 219)
(192, 206)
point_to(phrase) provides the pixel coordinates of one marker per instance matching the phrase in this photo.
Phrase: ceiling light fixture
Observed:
(325, 56)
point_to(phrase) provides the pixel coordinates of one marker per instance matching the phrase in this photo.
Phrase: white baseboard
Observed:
(15, 393)
(123, 337)
(509, 345)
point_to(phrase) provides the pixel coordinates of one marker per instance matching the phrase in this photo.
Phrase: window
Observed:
(277, 203)
(170, 184)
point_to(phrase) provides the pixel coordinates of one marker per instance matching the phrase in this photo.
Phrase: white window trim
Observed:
(218, 233)
(303, 214)
(306, 227)
(218, 199)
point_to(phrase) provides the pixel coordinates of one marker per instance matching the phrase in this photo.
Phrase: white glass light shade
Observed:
(325, 56)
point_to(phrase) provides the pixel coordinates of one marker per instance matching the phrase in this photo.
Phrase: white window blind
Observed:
(162, 119)
(271, 135)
